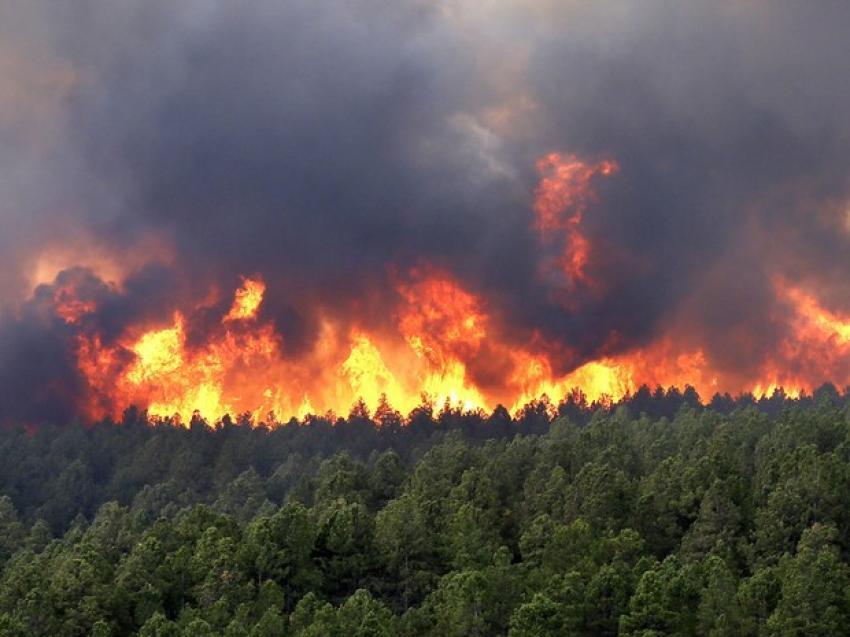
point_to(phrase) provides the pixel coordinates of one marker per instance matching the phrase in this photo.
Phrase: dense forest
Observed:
(654, 516)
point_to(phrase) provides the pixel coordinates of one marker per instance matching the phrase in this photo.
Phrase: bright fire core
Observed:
(446, 344)
(442, 329)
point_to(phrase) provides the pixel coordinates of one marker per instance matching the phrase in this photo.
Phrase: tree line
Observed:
(655, 516)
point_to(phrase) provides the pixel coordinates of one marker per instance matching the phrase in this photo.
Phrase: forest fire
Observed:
(432, 317)
(563, 195)
(240, 367)
(443, 342)
(238, 219)
(442, 330)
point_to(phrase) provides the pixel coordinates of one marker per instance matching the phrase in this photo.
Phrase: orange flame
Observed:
(561, 199)
(241, 367)
(441, 338)
(814, 349)
(168, 378)
(442, 328)
(444, 325)
(69, 308)
(247, 301)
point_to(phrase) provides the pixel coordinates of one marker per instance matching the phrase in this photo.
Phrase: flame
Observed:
(241, 367)
(247, 301)
(561, 199)
(815, 347)
(223, 376)
(442, 329)
(442, 325)
(71, 309)
(813, 319)
(445, 343)
(367, 373)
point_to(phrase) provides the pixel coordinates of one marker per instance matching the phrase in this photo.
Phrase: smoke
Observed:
(332, 147)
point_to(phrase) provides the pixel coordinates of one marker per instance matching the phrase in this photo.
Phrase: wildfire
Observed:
(814, 349)
(816, 321)
(70, 309)
(442, 328)
(440, 334)
(367, 373)
(562, 197)
(247, 301)
(241, 368)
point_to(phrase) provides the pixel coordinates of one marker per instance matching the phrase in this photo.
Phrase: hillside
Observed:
(604, 523)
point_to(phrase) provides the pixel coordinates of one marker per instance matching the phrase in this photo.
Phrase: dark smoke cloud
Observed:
(331, 145)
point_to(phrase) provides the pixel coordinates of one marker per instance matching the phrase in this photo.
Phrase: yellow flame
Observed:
(247, 301)
(158, 352)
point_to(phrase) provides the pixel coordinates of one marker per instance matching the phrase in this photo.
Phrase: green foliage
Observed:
(12, 532)
(677, 522)
(815, 588)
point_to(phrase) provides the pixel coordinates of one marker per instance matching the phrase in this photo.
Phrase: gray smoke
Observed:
(330, 145)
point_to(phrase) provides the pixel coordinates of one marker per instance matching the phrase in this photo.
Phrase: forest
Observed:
(659, 515)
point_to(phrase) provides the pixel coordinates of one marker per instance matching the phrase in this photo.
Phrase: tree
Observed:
(718, 520)
(158, 626)
(279, 548)
(141, 582)
(39, 536)
(718, 614)
(461, 606)
(385, 478)
(344, 546)
(198, 628)
(814, 588)
(473, 521)
(665, 601)
(602, 495)
(540, 617)
(363, 616)
(607, 596)
(314, 618)
(558, 610)
(12, 532)
(271, 624)
(242, 498)
(406, 549)
(757, 597)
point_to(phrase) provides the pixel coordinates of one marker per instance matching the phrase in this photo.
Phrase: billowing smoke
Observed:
(155, 152)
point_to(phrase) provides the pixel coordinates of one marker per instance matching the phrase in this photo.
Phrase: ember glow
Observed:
(441, 330)
(563, 196)
(439, 338)
(287, 208)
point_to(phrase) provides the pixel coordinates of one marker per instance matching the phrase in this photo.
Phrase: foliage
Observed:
(653, 517)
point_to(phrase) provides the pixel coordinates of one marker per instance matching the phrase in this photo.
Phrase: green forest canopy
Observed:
(655, 517)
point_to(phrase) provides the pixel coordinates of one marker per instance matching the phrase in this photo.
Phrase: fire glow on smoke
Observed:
(441, 330)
